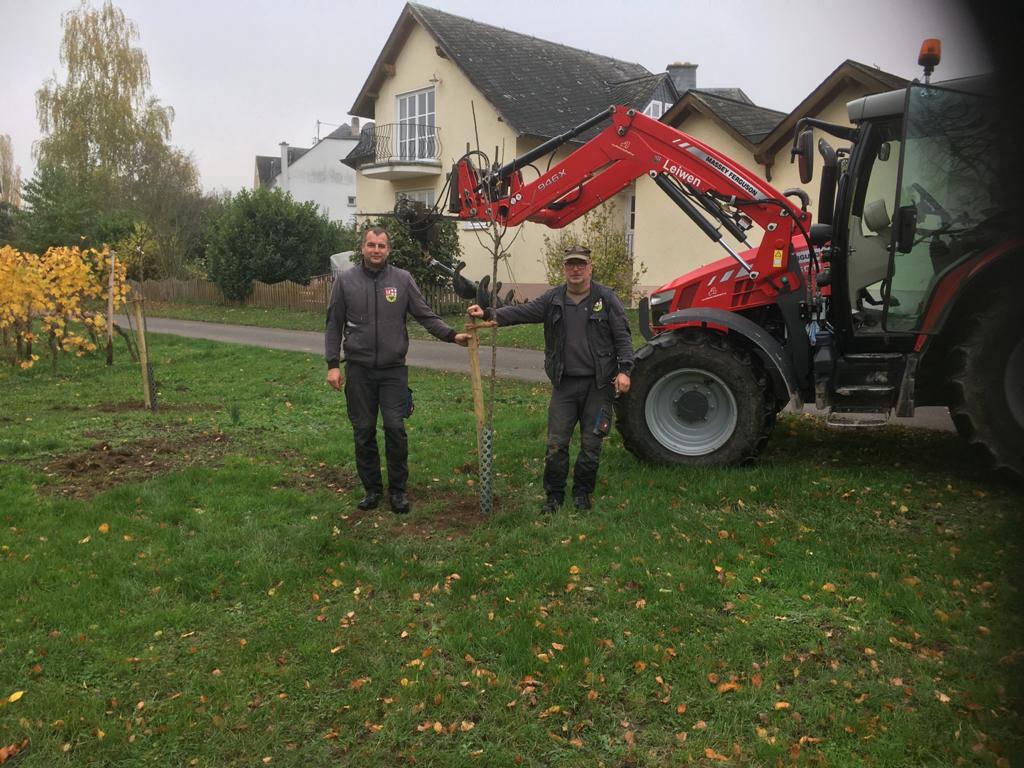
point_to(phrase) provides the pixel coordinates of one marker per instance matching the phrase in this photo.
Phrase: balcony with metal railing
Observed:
(394, 151)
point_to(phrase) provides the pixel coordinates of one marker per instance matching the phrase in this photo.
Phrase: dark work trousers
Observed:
(576, 400)
(368, 390)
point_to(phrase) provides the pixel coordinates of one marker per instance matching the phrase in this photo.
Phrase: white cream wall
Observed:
(319, 177)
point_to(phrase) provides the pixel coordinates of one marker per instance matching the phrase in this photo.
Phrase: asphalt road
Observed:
(520, 364)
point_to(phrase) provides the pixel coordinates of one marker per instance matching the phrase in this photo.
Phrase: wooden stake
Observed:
(110, 310)
(147, 384)
(474, 373)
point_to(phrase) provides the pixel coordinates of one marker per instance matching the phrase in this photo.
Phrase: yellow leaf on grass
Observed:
(828, 586)
(710, 754)
(574, 570)
(782, 705)
(104, 528)
(467, 725)
(729, 687)
(15, 696)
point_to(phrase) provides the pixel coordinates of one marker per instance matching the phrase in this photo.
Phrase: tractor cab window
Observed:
(870, 225)
(947, 194)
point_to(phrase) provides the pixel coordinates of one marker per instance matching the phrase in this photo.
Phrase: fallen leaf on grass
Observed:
(710, 754)
(6, 753)
(942, 697)
(15, 696)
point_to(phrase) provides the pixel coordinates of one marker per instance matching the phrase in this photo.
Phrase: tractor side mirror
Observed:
(804, 151)
(906, 228)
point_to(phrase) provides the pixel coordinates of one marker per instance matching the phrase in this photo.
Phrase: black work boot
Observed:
(552, 504)
(370, 501)
(581, 501)
(399, 503)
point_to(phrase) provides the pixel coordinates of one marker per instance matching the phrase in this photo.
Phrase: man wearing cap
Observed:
(588, 355)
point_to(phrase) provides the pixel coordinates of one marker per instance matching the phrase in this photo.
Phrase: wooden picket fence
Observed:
(284, 295)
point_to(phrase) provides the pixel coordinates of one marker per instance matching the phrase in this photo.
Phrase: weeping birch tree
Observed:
(102, 114)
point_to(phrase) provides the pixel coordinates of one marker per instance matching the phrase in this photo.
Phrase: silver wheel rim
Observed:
(691, 412)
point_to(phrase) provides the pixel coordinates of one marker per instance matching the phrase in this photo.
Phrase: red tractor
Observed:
(906, 293)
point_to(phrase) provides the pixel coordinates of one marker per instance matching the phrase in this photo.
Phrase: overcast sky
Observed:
(244, 75)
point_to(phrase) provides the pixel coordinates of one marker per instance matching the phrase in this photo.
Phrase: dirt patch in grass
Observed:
(458, 516)
(134, 405)
(317, 477)
(104, 465)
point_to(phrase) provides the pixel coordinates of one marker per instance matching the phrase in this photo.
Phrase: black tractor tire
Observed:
(696, 399)
(986, 383)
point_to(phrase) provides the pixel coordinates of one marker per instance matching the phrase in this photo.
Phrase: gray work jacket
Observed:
(366, 317)
(607, 330)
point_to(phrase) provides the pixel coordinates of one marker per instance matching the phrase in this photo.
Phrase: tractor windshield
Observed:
(948, 191)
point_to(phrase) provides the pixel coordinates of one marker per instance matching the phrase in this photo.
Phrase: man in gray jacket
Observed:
(366, 320)
(588, 355)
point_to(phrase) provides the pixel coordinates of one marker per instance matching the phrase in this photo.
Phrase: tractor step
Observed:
(857, 418)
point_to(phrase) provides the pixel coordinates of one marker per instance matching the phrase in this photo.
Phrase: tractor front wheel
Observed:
(696, 398)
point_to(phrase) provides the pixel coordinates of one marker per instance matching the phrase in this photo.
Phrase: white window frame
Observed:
(415, 125)
(655, 109)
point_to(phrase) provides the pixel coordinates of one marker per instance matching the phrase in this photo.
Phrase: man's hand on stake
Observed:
(462, 339)
(335, 379)
(475, 311)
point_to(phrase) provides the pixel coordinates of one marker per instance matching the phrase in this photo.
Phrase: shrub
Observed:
(600, 231)
(265, 235)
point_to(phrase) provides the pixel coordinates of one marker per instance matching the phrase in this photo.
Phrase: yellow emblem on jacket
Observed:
(391, 294)
(598, 305)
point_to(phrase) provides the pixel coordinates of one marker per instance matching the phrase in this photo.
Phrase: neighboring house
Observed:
(442, 83)
(316, 174)
(666, 241)
(437, 72)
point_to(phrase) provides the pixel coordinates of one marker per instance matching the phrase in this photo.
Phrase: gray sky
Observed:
(244, 75)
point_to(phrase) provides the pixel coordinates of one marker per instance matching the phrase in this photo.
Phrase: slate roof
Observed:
(343, 131)
(268, 167)
(747, 119)
(538, 87)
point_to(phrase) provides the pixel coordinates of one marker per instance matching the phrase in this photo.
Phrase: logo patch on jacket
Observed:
(391, 294)
(598, 305)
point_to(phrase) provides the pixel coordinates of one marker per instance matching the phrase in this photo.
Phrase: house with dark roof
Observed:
(316, 174)
(443, 85)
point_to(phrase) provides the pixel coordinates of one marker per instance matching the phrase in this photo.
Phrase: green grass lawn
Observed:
(519, 336)
(195, 587)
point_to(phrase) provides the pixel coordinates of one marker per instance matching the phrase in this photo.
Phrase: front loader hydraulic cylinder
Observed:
(547, 147)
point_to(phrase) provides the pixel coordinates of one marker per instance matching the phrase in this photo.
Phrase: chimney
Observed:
(284, 156)
(684, 76)
(355, 127)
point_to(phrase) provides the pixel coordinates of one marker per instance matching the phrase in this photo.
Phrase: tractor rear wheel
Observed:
(987, 383)
(697, 399)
